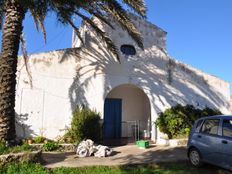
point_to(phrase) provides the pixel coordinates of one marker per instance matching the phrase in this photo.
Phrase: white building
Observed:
(143, 84)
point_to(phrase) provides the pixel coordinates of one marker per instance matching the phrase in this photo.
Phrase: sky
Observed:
(199, 33)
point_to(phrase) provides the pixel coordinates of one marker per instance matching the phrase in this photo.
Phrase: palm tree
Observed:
(12, 14)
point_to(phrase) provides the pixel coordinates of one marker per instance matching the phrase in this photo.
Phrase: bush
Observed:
(178, 120)
(3, 148)
(50, 146)
(39, 139)
(14, 149)
(85, 125)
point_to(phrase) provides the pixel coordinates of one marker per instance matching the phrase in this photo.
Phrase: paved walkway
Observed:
(123, 155)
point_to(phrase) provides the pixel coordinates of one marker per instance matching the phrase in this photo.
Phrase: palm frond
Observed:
(1, 20)
(138, 6)
(98, 8)
(121, 16)
(39, 23)
(98, 14)
(64, 14)
(76, 30)
(25, 58)
(39, 11)
(63, 9)
(110, 45)
(2, 14)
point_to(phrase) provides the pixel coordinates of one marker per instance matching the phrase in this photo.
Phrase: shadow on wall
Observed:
(77, 93)
(74, 52)
(166, 81)
(77, 89)
(23, 130)
(95, 67)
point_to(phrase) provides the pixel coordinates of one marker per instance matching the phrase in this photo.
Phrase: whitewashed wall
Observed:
(44, 109)
(66, 78)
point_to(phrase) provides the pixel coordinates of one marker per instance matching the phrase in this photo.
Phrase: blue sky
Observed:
(199, 33)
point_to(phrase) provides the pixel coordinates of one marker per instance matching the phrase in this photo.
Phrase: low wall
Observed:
(172, 142)
(35, 156)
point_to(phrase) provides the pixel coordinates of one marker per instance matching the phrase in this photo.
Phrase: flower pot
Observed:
(29, 141)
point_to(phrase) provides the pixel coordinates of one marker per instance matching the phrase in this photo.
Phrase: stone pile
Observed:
(87, 148)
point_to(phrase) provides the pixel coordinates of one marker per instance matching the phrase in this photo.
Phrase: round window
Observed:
(128, 50)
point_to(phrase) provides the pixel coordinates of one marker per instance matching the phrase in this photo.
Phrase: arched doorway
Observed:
(127, 114)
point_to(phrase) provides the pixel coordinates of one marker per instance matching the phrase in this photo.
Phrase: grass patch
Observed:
(22, 148)
(164, 168)
(23, 168)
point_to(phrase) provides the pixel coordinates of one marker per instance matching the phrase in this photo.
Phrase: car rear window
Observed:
(210, 126)
(227, 128)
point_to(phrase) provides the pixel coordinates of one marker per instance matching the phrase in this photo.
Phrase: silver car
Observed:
(210, 141)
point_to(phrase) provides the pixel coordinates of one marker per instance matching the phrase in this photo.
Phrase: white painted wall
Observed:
(46, 108)
(63, 79)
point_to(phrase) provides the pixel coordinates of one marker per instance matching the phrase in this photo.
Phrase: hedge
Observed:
(178, 120)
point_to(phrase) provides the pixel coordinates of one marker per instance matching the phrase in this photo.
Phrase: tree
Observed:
(12, 14)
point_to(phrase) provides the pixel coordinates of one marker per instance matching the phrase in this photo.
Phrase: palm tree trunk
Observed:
(12, 30)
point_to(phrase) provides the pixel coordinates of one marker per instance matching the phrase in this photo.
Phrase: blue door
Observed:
(112, 118)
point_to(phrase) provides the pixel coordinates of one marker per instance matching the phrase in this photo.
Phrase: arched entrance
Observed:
(127, 114)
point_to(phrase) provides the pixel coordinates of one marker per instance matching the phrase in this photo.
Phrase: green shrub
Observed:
(178, 120)
(3, 148)
(39, 139)
(21, 148)
(14, 149)
(50, 146)
(85, 125)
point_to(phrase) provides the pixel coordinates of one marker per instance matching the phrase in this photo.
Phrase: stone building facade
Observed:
(130, 93)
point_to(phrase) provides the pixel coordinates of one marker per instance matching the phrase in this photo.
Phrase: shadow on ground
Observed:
(131, 160)
(52, 158)
(151, 155)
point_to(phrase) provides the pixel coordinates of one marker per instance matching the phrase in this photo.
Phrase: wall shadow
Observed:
(52, 158)
(166, 81)
(23, 130)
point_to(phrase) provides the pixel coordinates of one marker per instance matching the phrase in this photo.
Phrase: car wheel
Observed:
(195, 157)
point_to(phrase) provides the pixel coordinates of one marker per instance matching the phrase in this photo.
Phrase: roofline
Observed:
(191, 66)
(150, 23)
(50, 51)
